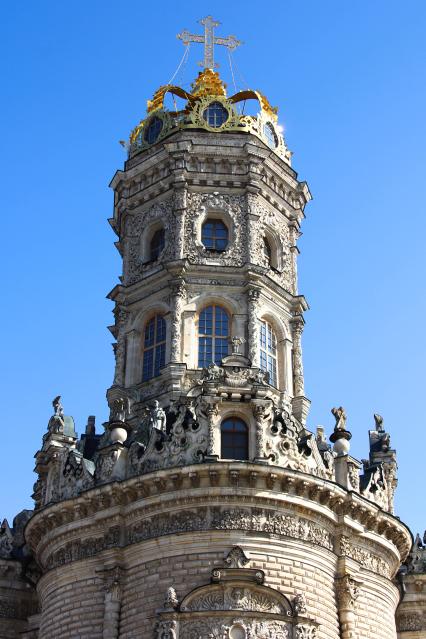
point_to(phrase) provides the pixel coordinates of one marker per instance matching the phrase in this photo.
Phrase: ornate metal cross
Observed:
(209, 40)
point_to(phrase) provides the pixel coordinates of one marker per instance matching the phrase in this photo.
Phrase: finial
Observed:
(209, 40)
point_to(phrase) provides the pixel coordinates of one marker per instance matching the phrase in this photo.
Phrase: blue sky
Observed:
(349, 81)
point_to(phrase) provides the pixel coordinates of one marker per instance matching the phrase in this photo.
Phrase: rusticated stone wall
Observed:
(72, 602)
(17, 600)
(109, 557)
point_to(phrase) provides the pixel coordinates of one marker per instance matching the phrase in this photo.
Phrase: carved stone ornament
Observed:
(233, 209)
(347, 590)
(305, 632)
(299, 604)
(171, 601)
(134, 267)
(237, 597)
(365, 558)
(165, 630)
(217, 628)
(236, 558)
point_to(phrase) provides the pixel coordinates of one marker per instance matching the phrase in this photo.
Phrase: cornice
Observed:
(348, 517)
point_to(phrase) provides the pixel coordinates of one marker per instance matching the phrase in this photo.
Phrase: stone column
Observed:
(211, 410)
(177, 300)
(253, 295)
(112, 608)
(288, 366)
(120, 347)
(298, 380)
(260, 412)
(253, 217)
(347, 591)
(294, 252)
(179, 207)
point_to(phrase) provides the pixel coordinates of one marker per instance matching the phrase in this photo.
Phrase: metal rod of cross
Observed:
(209, 40)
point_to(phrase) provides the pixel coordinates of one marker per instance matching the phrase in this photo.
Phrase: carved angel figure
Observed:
(340, 417)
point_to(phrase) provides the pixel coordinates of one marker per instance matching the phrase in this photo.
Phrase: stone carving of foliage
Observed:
(226, 629)
(234, 207)
(367, 559)
(274, 222)
(306, 632)
(236, 598)
(133, 267)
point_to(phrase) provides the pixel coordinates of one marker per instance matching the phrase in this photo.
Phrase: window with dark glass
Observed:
(267, 252)
(268, 351)
(154, 347)
(234, 439)
(270, 135)
(153, 130)
(156, 244)
(213, 336)
(214, 235)
(215, 115)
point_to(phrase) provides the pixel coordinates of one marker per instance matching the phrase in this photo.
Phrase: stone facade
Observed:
(207, 507)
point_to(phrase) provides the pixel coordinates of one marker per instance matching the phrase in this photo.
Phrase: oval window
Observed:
(153, 130)
(215, 115)
(270, 135)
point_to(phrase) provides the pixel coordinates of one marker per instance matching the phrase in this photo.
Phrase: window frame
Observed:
(268, 351)
(154, 353)
(214, 221)
(218, 353)
(231, 435)
(156, 232)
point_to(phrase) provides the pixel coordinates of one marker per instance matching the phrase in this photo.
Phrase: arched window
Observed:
(267, 251)
(156, 244)
(154, 347)
(234, 439)
(268, 352)
(214, 235)
(270, 135)
(213, 336)
(215, 115)
(153, 130)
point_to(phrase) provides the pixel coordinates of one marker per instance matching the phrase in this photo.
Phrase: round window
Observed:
(270, 135)
(215, 115)
(153, 130)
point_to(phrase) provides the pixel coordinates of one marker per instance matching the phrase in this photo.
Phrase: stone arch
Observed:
(236, 595)
(276, 261)
(146, 237)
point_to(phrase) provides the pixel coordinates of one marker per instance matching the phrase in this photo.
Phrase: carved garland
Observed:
(255, 519)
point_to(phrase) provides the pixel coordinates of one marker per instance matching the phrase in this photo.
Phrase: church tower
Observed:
(208, 508)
